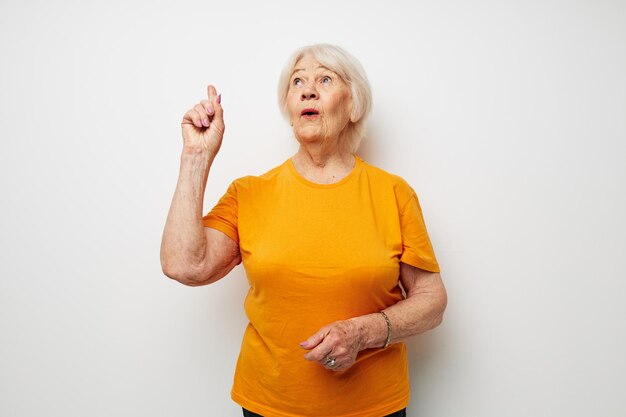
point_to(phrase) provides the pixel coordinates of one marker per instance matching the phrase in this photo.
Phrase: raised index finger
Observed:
(214, 101)
(211, 93)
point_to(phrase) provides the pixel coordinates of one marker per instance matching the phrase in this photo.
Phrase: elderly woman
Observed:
(328, 242)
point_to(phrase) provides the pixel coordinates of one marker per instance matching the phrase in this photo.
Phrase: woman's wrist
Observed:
(197, 153)
(372, 330)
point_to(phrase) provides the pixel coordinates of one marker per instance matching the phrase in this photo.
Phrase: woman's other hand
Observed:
(340, 341)
(203, 125)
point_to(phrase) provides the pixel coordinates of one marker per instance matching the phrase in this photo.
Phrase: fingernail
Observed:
(219, 98)
(303, 344)
(210, 110)
(197, 123)
(205, 122)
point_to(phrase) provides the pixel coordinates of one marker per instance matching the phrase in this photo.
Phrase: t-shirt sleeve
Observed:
(417, 249)
(224, 215)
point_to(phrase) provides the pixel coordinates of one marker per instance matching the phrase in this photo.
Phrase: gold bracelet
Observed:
(388, 330)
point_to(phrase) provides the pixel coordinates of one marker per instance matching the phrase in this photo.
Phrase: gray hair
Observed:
(350, 70)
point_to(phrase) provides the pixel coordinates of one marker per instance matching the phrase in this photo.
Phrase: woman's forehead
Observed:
(307, 59)
(307, 62)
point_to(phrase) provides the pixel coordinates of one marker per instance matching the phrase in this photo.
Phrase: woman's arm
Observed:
(420, 311)
(191, 253)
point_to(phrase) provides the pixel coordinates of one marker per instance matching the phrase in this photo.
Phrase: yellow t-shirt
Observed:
(314, 254)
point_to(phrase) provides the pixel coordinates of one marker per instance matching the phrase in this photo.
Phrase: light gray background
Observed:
(507, 117)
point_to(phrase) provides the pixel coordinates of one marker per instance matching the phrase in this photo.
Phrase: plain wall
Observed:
(507, 117)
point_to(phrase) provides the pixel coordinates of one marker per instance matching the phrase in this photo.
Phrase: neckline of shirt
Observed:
(357, 166)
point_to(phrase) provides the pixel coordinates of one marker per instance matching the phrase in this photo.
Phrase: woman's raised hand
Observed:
(203, 125)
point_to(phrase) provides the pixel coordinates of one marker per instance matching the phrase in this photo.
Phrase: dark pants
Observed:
(401, 413)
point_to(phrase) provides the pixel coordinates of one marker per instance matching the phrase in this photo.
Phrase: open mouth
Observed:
(310, 112)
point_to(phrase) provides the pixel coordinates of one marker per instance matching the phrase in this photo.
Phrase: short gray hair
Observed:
(351, 71)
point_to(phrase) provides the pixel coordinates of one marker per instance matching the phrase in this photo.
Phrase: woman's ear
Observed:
(355, 111)
(353, 116)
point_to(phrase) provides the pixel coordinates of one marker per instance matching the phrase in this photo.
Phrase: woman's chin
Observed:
(309, 137)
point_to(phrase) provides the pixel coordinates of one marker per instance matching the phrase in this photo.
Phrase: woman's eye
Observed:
(297, 81)
(326, 79)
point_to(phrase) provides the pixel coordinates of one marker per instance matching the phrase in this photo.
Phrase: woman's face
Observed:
(319, 101)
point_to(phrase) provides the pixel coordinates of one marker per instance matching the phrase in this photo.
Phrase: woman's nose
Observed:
(309, 93)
